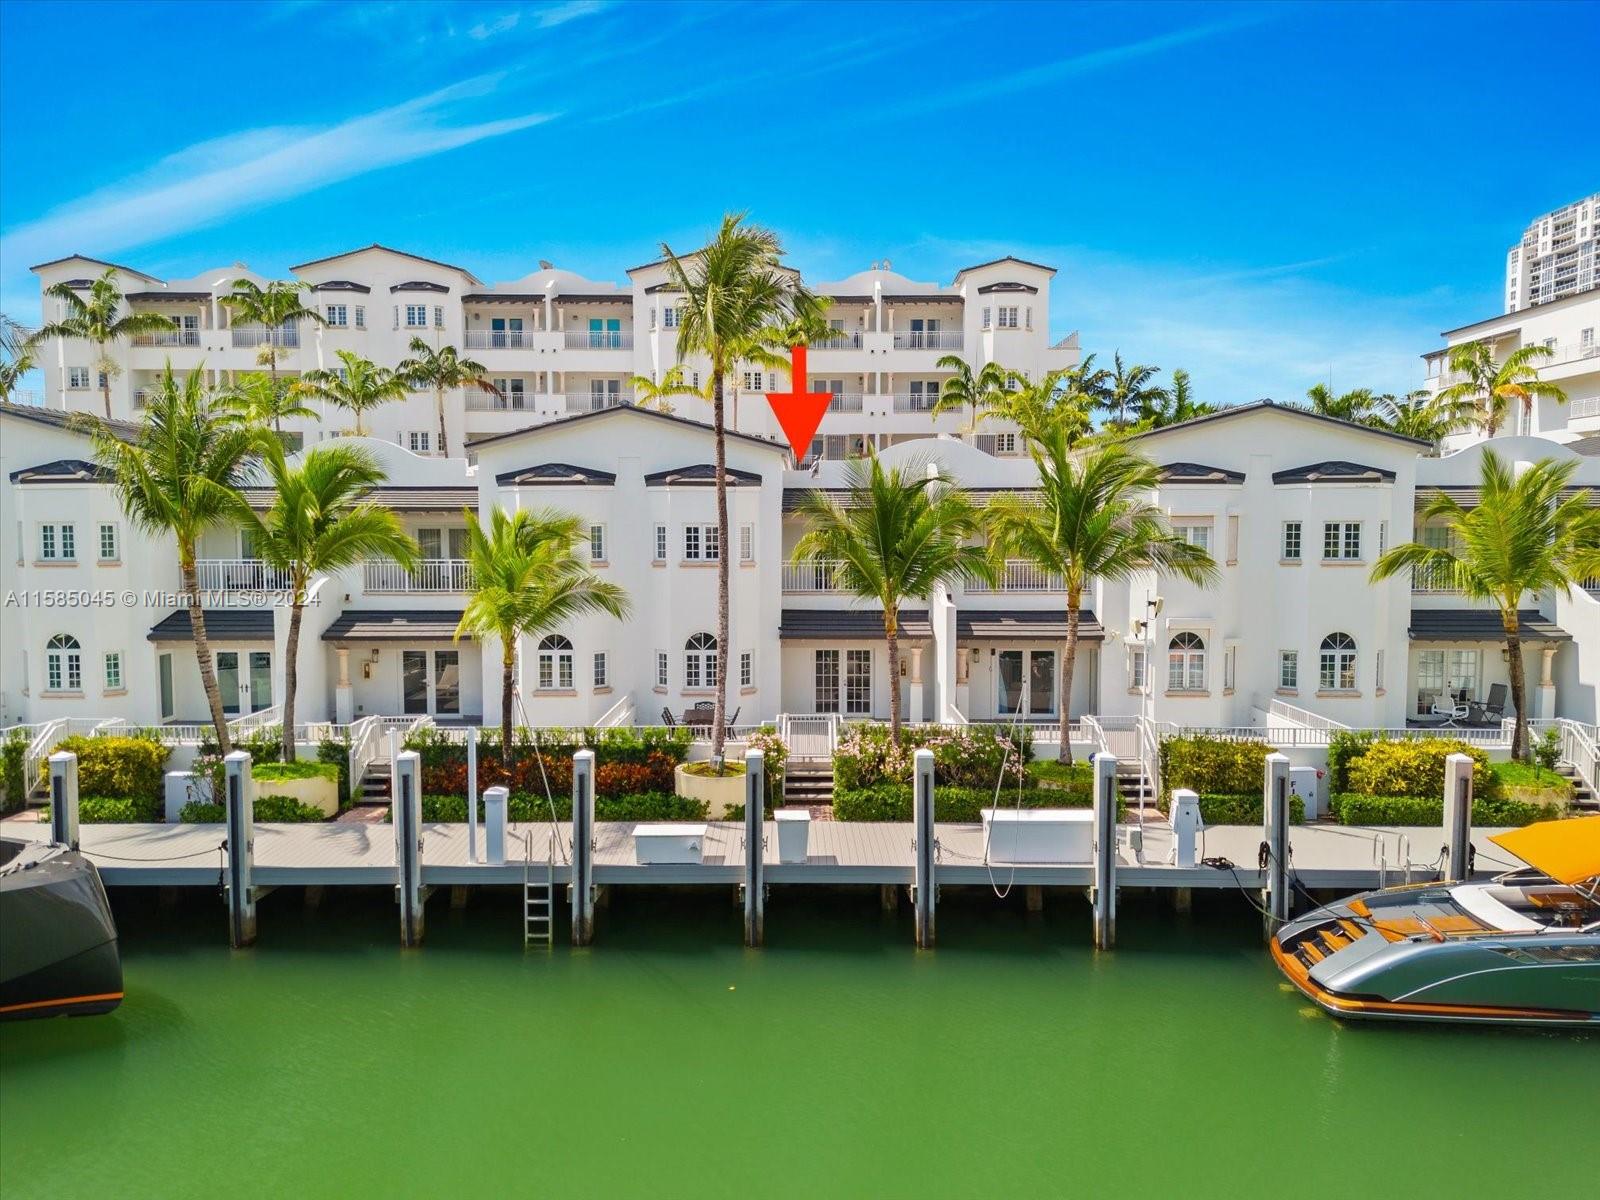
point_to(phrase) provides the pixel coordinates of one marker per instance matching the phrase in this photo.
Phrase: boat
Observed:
(58, 940)
(1522, 948)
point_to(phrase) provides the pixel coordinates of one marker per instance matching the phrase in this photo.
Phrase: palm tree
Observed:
(902, 531)
(442, 370)
(358, 386)
(1178, 405)
(263, 400)
(21, 360)
(273, 308)
(527, 577)
(1420, 415)
(1128, 388)
(1524, 534)
(1092, 520)
(650, 394)
(976, 391)
(1356, 405)
(321, 520)
(180, 477)
(1490, 388)
(98, 318)
(1053, 401)
(732, 291)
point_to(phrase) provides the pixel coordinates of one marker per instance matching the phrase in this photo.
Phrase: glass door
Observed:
(167, 701)
(228, 680)
(497, 333)
(1008, 680)
(414, 681)
(826, 681)
(260, 685)
(446, 682)
(931, 333)
(858, 681)
(916, 333)
(514, 332)
(1042, 683)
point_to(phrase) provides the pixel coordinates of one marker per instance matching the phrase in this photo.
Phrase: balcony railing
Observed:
(846, 402)
(595, 401)
(817, 575)
(1432, 579)
(430, 575)
(256, 335)
(476, 401)
(1019, 575)
(168, 337)
(599, 339)
(500, 339)
(845, 341)
(238, 575)
(915, 401)
(928, 339)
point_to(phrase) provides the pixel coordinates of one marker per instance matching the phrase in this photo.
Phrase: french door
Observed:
(605, 333)
(430, 682)
(244, 677)
(1025, 683)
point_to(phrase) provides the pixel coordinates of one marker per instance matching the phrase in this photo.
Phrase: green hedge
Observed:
(1357, 809)
(1077, 778)
(892, 802)
(267, 808)
(13, 754)
(966, 757)
(331, 750)
(275, 772)
(1415, 767)
(526, 807)
(118, 810)
(1243, 809)
(133, 767)
(1212, 766)
(439, 747)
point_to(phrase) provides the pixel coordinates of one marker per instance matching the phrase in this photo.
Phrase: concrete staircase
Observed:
(1581, 792)
(377, 784)
(808, 782)
(1131, 786)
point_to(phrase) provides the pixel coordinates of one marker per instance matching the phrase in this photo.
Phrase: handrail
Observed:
(1579, 749)
(260, 719)
(618, 715)
(1303, 716)
(366, 745)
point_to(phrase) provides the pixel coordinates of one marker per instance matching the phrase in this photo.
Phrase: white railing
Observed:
(844, 341)
(256, 335)
(810, 735)
(915, 401)
(923, 339)
(1018, 575)
(262, 718)
(430, 575)
(367, 743)
(476, 400)
(1579, 749)
(168, 337)
(238, 575)
(596, 401)
(599, 339)
(1432, 579)
(1089, 729)
(619, 716)
(499, 339)
(1303, 716)
(28, 398)
(845, 402)
(49, 735)
(815, 575)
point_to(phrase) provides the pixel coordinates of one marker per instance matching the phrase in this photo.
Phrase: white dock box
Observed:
(673, 843)
(1039, 835)
(794, 834)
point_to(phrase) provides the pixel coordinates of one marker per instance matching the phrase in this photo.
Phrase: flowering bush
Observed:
(776, 754)
(963, 756)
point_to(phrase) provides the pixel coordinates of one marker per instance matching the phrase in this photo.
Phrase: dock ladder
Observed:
(538, 894)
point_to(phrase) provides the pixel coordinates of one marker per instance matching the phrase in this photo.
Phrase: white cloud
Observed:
(560, 14)
(501, 24)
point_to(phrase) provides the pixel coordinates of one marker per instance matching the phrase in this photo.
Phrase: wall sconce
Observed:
(366, 670)
(374, 654)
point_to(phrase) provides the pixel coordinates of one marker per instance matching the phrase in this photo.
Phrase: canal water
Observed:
(669, 1061)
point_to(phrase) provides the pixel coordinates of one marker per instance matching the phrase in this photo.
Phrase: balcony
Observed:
(431, 575)
(595, 401)
(922, 339)
(247, 336)
(817, 575)
(915, 401)
(1018, 575)
(845, 402)
(500, 339)
(475, 401)
(168, 337)
(1432, 580)
(238, 575)
(597, 339)
(845, 341)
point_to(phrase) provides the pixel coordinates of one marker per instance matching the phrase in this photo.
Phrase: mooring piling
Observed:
(64, 798)
(925, 891)
(406, 797)
(1275, 820)
(239, 796)
(472, 793)
(1103, 895)
(496, 801)
(755, 900)
(1457, 817)
(583, 848)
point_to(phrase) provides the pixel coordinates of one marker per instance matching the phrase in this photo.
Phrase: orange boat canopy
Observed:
(1568, 851)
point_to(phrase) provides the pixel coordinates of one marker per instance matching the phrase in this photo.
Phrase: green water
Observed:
(669, 1061)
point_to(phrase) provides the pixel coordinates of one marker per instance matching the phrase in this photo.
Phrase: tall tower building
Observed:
(1558, 256)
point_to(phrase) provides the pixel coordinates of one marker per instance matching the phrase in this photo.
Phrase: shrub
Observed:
(1356, 809)
(331, 750)
(524, 807)
(776, 762)
(114, 810)
(264, 744)
(969, 756)
(1212, 766)
(278, 771)
(439, 747)
(1075, 777)
(132, 767)
(893, 802)
(1343, 745)
(13, 754)
(1243, 809)
(266, 808)
(1415, 767)
(1547, 750)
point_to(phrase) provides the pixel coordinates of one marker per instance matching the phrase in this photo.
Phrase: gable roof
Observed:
(340, 285)
(99, 262)
(1334, 470)
(1288, 410)
(1192, 472)
(62, 470)
(604, 413)
(317, 262)
(1009, 258)
(702, 475)
(556, 474)
(69, 421)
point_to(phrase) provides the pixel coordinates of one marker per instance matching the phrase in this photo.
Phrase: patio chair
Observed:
(667, 719)
(1450, 711)
(1495, 705)
(733, 720)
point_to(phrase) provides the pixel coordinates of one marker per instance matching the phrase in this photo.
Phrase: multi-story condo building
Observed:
(1558, 256)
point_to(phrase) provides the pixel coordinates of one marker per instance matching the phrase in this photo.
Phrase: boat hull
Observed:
(58, 952)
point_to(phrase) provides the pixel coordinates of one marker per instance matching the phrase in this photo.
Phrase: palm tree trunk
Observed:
(105, 388)
(291, 675)
(720, 711)
(508, 679)
(202, 648)
(891, 634)
(1519, 685)
(1068, 664)
(444, 440)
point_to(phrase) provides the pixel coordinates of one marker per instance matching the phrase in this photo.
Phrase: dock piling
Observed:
(1104, 893)
(925, 891)
(1275, 819)
(240, 794)
(64, 798)
(1457, 817)
(407, 801)
(472, 793)
(583, 848)
(755, 900)
(495, 802)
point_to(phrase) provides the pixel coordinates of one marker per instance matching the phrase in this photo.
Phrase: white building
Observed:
(1558, 256)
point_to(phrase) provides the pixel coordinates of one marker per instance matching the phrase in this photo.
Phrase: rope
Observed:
(168, 858)
(999, 782)
(550, 800)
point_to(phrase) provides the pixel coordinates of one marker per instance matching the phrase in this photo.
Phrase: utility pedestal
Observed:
(64, 798)
(1275, 821)
(407, 800)
(1103, 895)
(1458, 817)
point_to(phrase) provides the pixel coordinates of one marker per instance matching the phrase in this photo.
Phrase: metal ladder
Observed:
(538, 895)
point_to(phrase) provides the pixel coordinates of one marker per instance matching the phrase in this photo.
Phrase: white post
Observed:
(1458, 817)
(1186, 824)
(472, 794)
(64, 798)
(926, 888)
(1104, 894)
(755, 827)
(1275, 822)
(583, 848)
(406, 798)
(179, 789)
(240, 800)
(495, 803)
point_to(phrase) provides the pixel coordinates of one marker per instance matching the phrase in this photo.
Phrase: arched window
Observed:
(555, 664)
(1186, 663)
(700, 661)
(63, 664)
(1337, 663)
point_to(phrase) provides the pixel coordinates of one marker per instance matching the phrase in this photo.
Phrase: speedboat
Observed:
(1522, 948)
(58, 941)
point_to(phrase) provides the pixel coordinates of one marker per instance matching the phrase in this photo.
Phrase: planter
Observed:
(320, 793)
(717, 792)
(1039, 835)
(669, 843)
(794, 834)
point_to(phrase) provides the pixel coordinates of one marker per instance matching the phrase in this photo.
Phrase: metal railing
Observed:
(168, 337)
(262, 718)
(915, 401)
(596, 401)
(367, 742)
(1018, 575)
(817, 575)
(430, 575)
(844, 341)
(478, 401)
(1578, 748)
(924, 339)
(49, 735)
(810, 735)
(1432, 579)
(598, 339)
(256, 335)
(499, 339)
(238, 575)
(619, 716)
(1303, 716)
(845, 402)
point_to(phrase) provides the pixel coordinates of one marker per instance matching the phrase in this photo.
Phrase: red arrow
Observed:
(799, 412)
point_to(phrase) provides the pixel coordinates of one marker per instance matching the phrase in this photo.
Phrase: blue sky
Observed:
(1263, 194)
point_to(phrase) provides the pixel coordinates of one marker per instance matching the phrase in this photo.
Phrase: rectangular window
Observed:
(825, 681)
(700, 543)
(1229, 659)
(1377, 672)
(1196, 533)
(747, 669)
(661, 543)
(336, 314)
(691, 542)
(752, 381)
(1006, 316)
(597, 543)
(438, 317)
(600, 677)
(1138, 669)
(361, 317)
(986, 318)
(858, 681)
(77, 377)
(113, 671)
(1291, 542)
(108, 542)
(420, 441)
(1383, 536)
(661, 668)
(1005, 443)
(416, 316)
(1341, 540)
(1289, 669)
(58, 543)
(747, 543)
(669, 316)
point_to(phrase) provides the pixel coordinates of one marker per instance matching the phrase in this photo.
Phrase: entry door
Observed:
(916, 332)
(446, 682)
(245, 682)
(1025, 683)
(514, 332)
(260, 685)
(605, 332)
(414, 681)
(497, 332)
(228, 682)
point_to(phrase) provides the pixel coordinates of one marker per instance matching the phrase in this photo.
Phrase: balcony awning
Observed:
(170, 297)
(395, 625)
(849, 625)
(222, 625)
(1013, 624)
(1481, 625)
(1192, 472)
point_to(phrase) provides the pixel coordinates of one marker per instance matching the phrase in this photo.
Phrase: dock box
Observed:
(675, 843)
(1039, 835)
(794, 834)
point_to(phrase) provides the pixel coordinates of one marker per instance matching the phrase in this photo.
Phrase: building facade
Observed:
(1558, 256)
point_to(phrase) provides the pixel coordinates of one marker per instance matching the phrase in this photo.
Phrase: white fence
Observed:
(238, 575)
(815, 575)
(1018, 575)
(430, 575)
